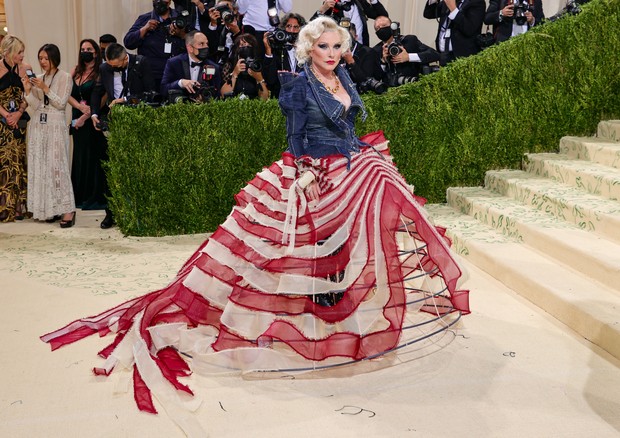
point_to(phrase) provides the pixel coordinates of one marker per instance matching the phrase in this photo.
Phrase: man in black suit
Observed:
(199, 78)
(122, 75)
(501, 14)
(407, 64)
(280, 55)
(357, 11)
(460, 22)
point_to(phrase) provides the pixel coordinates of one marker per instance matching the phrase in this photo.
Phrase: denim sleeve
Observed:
(292, 101)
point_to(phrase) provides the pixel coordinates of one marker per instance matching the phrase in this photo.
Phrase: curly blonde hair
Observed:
(313, 31)
(10, 45)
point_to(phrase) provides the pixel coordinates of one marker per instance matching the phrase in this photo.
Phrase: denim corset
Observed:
(317, 123)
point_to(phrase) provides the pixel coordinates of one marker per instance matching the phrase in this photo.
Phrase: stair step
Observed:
(589, 308)
(594, 178)
(598, 150)
(469, 228)
(589, 212)
(585, 252)
(609, 129)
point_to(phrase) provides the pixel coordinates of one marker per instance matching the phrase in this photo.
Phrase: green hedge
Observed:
(175, 169)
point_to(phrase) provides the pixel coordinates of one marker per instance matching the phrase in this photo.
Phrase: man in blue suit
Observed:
(191, 72)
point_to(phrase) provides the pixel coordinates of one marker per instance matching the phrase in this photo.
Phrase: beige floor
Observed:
(510, 371)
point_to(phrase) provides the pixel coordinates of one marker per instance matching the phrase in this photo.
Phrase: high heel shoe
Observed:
(68, 223)
(53, 219)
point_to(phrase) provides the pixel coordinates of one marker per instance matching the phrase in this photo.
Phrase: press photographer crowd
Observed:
(198, 51)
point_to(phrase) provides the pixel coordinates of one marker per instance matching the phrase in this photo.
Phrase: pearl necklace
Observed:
(332, 90)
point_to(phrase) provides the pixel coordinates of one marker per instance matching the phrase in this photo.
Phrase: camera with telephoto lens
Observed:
(521, 7)
(280, 39)
(150, 98)
(372, 84)
(176, 96)
(394, 48)
(395, 80)
(226, 15)
(203, 92)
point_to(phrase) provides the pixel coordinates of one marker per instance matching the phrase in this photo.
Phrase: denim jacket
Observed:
(317, 124)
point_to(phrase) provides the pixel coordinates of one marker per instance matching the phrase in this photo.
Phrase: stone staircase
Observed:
(550, 232)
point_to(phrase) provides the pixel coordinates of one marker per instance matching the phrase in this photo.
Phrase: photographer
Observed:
(356, 11)
(262, 16)
(402, 58)
(460, 22)
(513, 17)
(122, 75)
(192, 73)
(363, 65)
(198, 12)
(224, 26)
(280, 50)
(243, 72)
(157, 37)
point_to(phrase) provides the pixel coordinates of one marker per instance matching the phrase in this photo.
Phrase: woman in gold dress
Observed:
(12, 130)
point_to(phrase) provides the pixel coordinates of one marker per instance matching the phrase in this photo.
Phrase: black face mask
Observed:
(292, 37)
(119, 69)
(203, 53)
(384, 33)
(87, 56)
(160, 7)
(245, 52)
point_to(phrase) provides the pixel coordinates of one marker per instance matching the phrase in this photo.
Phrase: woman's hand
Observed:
(39, 83)
(239, 67)
(12, 118)
(258, 76)
(84, 108)
(27, 85)
(312, 191)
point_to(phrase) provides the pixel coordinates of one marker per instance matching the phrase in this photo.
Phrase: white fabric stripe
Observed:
(208, 287)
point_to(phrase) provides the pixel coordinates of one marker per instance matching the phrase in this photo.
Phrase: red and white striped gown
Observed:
(248, 298)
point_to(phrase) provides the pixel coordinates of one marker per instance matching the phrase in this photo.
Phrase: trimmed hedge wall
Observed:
(175, 169)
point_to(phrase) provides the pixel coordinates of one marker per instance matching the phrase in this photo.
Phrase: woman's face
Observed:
(18, 57)
(44, 61)
(326, 51)
(87, 47)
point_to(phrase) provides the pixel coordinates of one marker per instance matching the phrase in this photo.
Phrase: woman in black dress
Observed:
(89, 145)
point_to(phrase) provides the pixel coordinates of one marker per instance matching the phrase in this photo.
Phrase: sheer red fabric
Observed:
(287, 284)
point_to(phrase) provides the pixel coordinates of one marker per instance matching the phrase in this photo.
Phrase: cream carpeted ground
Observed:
(510, 371)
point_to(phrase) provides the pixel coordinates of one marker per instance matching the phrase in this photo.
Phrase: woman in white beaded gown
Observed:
(50, 193)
